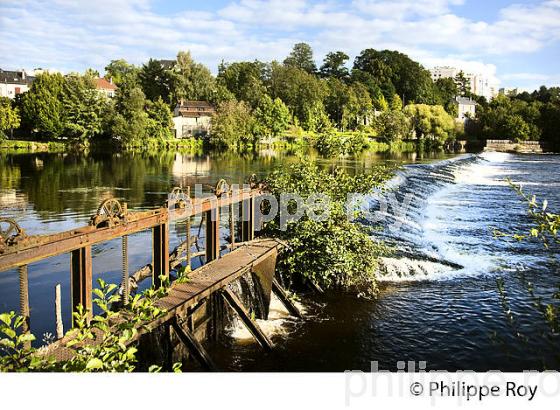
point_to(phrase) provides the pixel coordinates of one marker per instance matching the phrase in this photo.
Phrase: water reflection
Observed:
(48, 193)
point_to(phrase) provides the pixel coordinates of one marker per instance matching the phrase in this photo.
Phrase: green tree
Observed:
(303, 93)
(396, 103)
(42, 110)
(396, 73)
(160, 120)
(302, 57)
(393, 125)
(463, 84)
(272, 117)
(334, 66)
(431, 121)
(192, 80)
(129, 122)
(156, 80)
(232, 125)
(84, 108)
(122, 72)
(245, 80)
(9, 117)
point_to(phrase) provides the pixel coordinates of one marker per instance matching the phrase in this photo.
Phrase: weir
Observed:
(196, 308)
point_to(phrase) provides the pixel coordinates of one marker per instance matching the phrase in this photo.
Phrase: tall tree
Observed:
(302, 92)
(272, 117)
(245, 80)
(397, 73)
(84, 107)
(192, 80)
(302, 58)
(463, 84)
(334, 65)
(121, 71)
(42, 110)
(129, 123)
(9, 117)
(156, 80)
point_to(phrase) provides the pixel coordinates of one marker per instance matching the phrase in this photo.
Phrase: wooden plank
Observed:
(81, 278)
(251, 325)
(286, 301)
(194, 346)
(203, 282)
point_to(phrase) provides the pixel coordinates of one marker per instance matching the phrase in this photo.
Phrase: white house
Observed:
(106, 87)
(466, 108)
(192, 118)
(13, 83)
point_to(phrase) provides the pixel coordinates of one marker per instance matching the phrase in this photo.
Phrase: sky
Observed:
(516, 44)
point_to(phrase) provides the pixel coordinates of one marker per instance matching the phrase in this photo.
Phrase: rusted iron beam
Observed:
(81, 278)
(24, 297)
(234, 302)
(286, 301)
(212, 218)
(181, 297)
(36, 248)
(194, 346)
(160, 253)
(51, 245)
(247, 220)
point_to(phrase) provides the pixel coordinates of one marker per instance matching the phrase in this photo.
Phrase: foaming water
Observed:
(439, 300)
(456, 206)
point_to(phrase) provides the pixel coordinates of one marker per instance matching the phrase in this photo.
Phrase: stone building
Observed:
(192, 118)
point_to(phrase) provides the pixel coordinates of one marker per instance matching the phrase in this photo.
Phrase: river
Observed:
(439, 300)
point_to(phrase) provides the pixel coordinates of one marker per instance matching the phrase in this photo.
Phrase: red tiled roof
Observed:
(103, 84)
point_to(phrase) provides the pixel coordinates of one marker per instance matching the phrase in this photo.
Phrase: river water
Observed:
(439, 299)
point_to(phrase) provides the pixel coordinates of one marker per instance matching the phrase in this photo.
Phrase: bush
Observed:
(333, 253)
(333, 143)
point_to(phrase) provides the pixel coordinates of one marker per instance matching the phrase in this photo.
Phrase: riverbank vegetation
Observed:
(98, 342)
(330, 251)
(520, 117)
(255, 101)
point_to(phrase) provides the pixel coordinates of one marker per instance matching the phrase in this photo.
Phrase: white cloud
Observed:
(74, 34)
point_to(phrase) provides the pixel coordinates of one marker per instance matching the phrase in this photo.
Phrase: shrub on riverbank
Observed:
(333, 252)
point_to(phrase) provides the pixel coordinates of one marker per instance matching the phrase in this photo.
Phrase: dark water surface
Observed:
(439, 301)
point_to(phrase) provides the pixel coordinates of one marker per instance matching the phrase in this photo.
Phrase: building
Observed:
(510, 92)
(466, 108)
(192, 118)
(106, 87)
(13, 83)
(480, 85)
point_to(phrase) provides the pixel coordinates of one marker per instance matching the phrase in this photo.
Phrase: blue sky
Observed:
(516, 43)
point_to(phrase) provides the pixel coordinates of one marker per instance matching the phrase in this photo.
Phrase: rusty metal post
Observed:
(212, 217)
(232, 224)
(248, 220)
(24, 297)
(188, 239)
(160, 236)
(58, 312)
(125, 278)
(81, 278)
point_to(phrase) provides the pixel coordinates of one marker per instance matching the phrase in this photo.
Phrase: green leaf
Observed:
(6, 318)
(94, 364)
